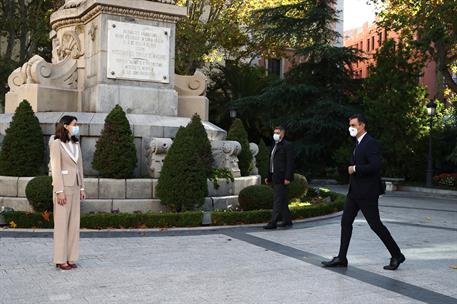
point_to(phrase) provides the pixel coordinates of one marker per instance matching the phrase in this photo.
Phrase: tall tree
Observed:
(232, 81)
(395, 105)
(431, 26)
(24, 32)
(216, 30)
(313, 99)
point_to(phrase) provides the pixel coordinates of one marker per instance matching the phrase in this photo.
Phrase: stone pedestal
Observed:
(42, 99)
(128, 48)
(109, 52)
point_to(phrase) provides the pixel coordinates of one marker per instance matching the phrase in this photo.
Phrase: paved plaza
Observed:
(245, 264)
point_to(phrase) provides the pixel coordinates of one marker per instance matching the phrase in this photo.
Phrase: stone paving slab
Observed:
(245, 264)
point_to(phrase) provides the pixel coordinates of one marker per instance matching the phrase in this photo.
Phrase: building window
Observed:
(361, 45)
(274, 67)
(380, 39)
(368, 45)
(372, 43)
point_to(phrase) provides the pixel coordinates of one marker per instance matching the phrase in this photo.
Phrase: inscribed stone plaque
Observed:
(138, 52)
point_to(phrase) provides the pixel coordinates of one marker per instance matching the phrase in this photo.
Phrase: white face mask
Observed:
(353, 131)
(276, 137)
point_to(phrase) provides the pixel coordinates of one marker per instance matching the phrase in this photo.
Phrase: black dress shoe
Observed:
(336, 262)
(286, 225)
(395, 262)
(270, 226)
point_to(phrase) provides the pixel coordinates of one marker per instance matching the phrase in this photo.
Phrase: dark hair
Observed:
(281, 128)
(361, 118)
(61, 132)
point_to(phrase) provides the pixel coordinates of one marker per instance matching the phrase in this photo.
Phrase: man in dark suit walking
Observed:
(365, 186)
(280, 174)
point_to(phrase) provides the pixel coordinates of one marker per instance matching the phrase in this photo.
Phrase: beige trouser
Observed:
(66, 227)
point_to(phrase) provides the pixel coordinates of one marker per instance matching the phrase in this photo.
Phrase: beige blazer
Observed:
(66, 168)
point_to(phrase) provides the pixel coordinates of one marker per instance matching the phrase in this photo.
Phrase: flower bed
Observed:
(446, 180)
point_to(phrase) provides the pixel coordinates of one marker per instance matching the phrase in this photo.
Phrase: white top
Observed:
(361, 137)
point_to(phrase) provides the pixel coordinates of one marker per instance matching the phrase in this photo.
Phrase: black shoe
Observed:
(286, 225)
(270, 226)
(336, 262)
(395, 262)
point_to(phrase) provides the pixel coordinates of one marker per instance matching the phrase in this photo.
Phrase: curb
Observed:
(449, 193)
(6, 232)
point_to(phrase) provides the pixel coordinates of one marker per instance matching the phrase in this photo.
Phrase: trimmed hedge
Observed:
(256, 197)
(167, 220)
(39, 193)
(182, 183)
(110, 220)
(262, 160)
(201, 142)
(238, 133)
(298, 187)
(221, 218)
(22, 152)
(115, 151)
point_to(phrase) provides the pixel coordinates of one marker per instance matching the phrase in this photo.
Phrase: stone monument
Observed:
(108, 52)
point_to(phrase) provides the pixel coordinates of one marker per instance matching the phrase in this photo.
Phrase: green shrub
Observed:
(39, 193)
(22, 152)
(109, 220)
(202, 145)
(146, 220)
(297, 188)
(182, 183)
(256, 197)
(238, 133)
(163, 220)
(261, 216)
(115, 152)
(262, 160)
(221, 173)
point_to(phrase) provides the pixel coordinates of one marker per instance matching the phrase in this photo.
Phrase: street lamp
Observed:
(232, 112)
(431, 109)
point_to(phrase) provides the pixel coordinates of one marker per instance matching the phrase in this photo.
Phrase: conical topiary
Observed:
(239, 134)
(115, 152)
(262, 160)
(202, 145)
(23, 146)
(182, 183)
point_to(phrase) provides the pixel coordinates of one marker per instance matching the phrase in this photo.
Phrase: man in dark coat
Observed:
(364, 189)
(280, 174)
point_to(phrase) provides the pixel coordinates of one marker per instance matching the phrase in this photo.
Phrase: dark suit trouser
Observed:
(280, 204)
(370, 211)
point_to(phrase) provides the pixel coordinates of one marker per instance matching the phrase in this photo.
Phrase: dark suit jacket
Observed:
(365, 183)
(283, 163)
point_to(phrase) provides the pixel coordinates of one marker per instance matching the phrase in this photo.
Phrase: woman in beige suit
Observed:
(68, 189)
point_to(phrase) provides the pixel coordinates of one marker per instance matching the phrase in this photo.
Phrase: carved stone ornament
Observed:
(62, 75)
(73, 3)
(156, 152)
(194, 85)
(254, 148)
(69, 45)
(225, 154)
